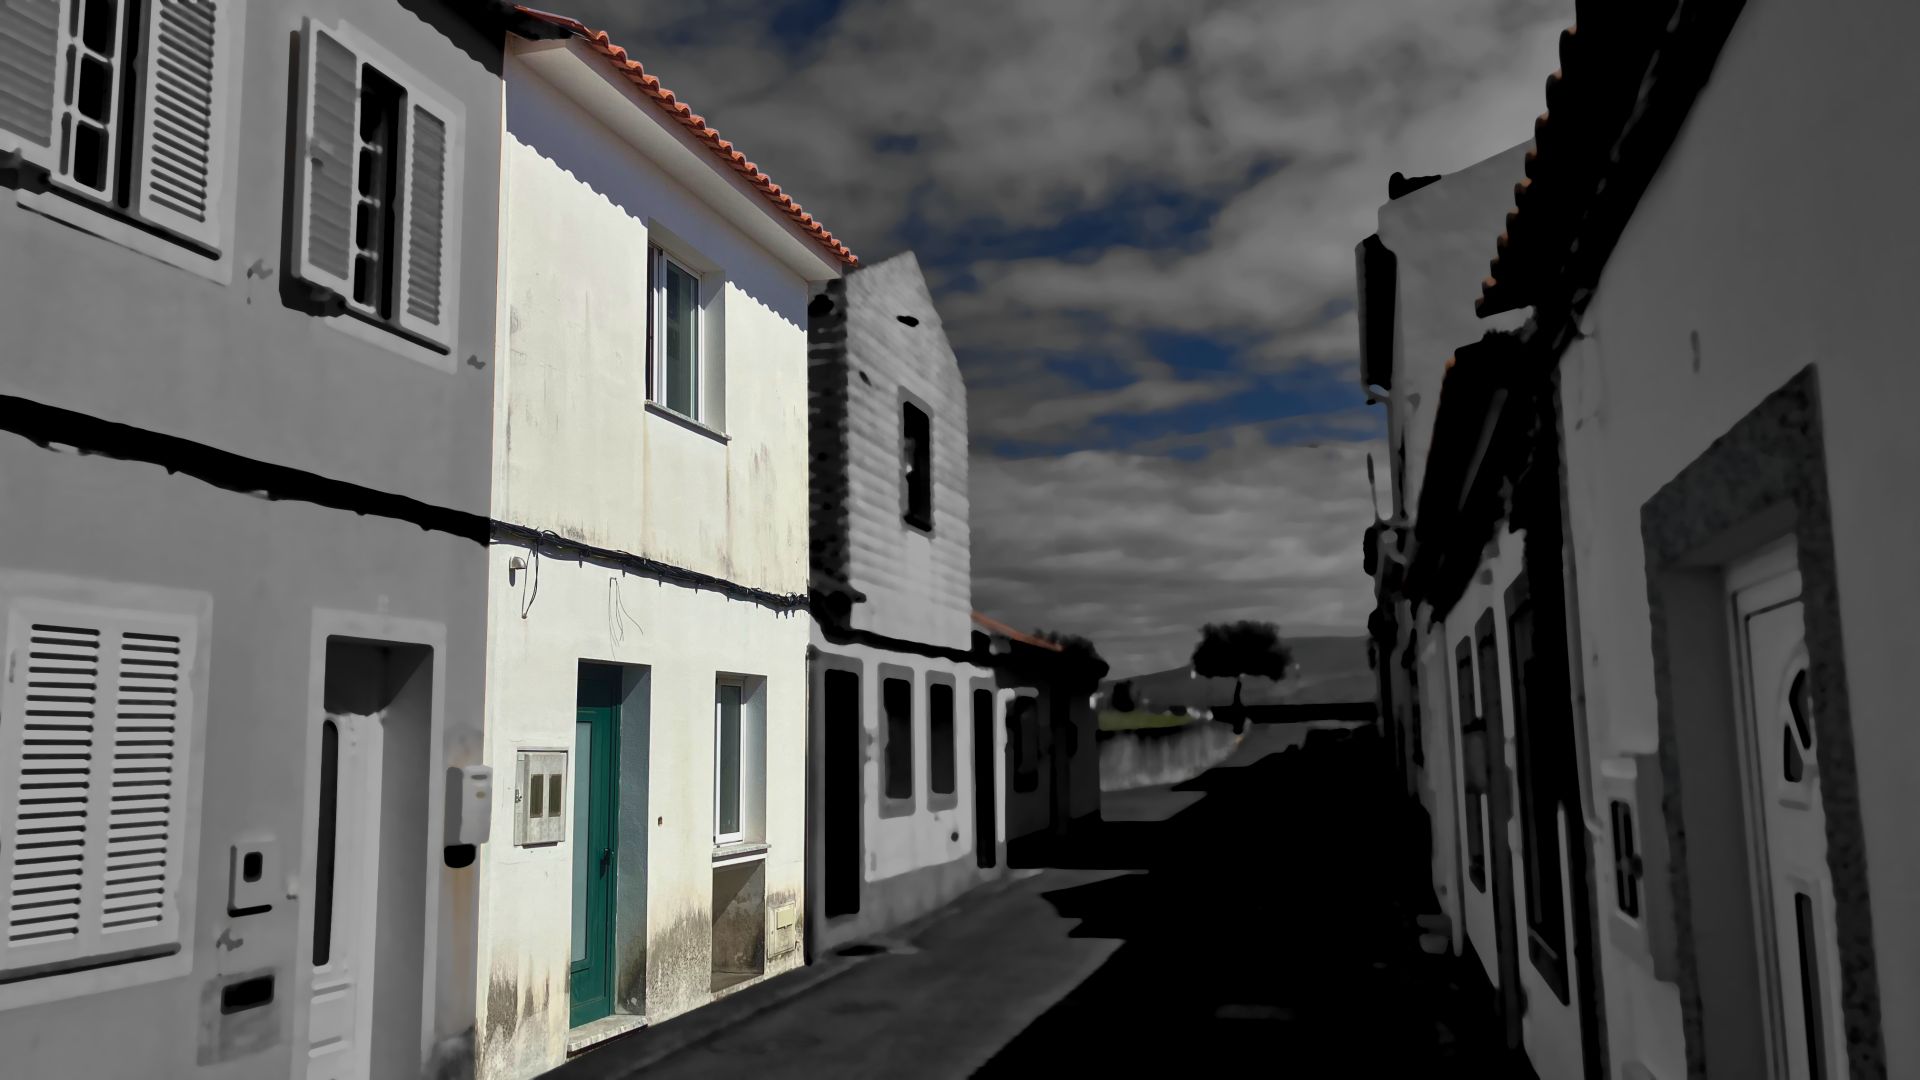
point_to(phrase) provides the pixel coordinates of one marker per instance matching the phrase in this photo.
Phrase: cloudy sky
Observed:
(1138, 217)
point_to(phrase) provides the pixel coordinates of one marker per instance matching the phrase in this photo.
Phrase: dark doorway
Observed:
(986, 837)
(1499, 812)
(1060, 751)
(841, 715)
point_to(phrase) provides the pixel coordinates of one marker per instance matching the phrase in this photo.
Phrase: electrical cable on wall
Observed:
(50, 426)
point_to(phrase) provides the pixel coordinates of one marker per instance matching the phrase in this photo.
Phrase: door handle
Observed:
(606, 856)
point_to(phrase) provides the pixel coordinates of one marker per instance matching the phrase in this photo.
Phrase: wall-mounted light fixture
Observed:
(514, 566)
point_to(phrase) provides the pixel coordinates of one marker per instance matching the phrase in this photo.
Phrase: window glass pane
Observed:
(940, 736)
(324, 846)
(897, 699)
(376, 202)
(582, 760)
(727, 716)
(917, 464)
(681, 358)
(1810, 998)
(536, 795)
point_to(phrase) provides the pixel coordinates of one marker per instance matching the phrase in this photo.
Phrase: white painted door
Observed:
(346, 882)
(1796, 906)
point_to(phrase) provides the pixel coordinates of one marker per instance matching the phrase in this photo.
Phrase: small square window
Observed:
(916, 465)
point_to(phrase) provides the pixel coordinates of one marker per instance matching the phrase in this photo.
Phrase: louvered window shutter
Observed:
(430, 220)
(325, 150)
(29, 77)
(97, 722)
(183, 116)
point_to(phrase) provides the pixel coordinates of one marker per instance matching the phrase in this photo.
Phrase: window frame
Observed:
(333, 303)
(1540, 803)
(117, 216)
(916, 468)
(1473, 739)
(891, 804)
(1629, 873)
(740, 763)
(660, 257)
(938, 798)
(97, 974)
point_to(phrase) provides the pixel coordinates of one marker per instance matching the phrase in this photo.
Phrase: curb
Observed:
(717, 1019)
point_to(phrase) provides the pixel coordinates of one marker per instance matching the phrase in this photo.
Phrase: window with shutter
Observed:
(124, 104)
(375, 165)
(95, 736)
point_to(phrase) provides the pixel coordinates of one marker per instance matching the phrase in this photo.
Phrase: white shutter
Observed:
(430, 219)
(30, 77)
(183, 116)
(95, 731)
(325, 148)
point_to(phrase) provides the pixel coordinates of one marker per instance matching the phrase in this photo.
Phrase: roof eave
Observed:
(597, 75)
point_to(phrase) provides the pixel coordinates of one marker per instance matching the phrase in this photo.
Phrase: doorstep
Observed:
(593, 1034)
(727, 1009)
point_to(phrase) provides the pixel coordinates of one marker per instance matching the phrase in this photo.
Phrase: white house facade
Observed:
(647, 637)
(246, 253)
(907, 739)
(1485, 737)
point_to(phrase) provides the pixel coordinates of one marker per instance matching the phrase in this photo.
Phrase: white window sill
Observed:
(739, 851)
(688, 422)
(391, 339)
(88, 981)
(602, 1030)
(107, 226)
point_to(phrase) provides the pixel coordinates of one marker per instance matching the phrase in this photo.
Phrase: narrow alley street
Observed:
(1245, 922)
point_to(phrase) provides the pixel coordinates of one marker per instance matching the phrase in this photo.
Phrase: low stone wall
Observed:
(1151, 756)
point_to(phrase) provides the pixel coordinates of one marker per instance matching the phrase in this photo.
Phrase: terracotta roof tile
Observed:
(995, 626)
(1628, 76)
(694, 122)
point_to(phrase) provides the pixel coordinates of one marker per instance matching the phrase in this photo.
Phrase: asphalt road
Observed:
(1246, 922)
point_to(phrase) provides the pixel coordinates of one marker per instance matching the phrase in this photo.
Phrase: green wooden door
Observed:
(596, 732)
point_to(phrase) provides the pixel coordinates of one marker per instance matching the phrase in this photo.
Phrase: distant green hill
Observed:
(1327, 670)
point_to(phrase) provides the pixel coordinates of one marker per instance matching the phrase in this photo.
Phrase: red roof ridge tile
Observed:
(636, 74)
(995, 626)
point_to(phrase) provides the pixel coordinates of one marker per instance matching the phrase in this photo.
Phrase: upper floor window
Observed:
(673, 333)
(916, 459)
(122, 106)
(375, 151)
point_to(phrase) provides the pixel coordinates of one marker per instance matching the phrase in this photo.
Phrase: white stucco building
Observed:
(1489, 797)
(1660, 539)
(647, 639)
(927, 744)
(244, 465)
(1736, 413)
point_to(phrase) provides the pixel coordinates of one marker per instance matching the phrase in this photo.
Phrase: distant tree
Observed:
(1122, 698)
(1238, 649)
(1085, 665)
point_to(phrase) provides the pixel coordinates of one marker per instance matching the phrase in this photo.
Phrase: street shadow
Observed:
(1267, 927)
